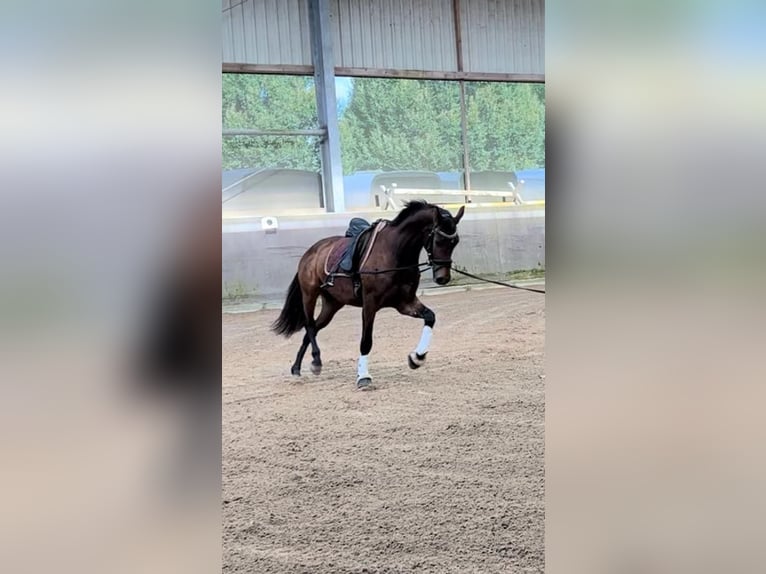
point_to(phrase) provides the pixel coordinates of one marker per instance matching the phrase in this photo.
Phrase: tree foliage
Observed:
(506, 126)
(388, 124)
(402, 124)
(269, 102)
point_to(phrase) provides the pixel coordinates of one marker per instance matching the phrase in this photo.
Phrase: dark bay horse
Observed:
(389, 276)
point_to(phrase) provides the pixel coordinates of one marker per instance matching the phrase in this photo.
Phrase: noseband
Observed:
(430, 247)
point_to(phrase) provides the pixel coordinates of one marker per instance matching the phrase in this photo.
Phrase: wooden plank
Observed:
(437, 75)
(458, 34)
(300, 70)
(286, 69)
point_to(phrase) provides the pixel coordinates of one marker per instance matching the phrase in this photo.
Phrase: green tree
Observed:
(388, 124)
(506, 126)
(269, 102)
(401, 124)
(415, 124)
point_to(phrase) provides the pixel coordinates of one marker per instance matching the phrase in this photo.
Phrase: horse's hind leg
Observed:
(309, 304)
(329, 308)
(296, 368)
(416, 308)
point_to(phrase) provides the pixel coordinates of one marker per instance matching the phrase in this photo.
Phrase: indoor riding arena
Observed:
(438, 469)
(340, 109)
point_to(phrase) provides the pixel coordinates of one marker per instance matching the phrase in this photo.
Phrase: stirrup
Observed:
(329, 282)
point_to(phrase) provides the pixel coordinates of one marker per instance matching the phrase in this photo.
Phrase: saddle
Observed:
(358, 229)
(347, 260)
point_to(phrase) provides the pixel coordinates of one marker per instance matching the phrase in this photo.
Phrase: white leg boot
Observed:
(418, 356)
(363, 379)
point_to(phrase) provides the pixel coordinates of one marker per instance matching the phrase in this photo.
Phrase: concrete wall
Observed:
(260, 264)
(276, 188)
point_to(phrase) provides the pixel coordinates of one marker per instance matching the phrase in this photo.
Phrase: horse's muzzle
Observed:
(441, 270)
(442, 279)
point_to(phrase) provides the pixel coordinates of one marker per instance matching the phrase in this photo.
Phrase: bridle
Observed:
(430, 247)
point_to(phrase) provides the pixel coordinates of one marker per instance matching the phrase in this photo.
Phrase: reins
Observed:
(499, 282)
(394, 269)
(423, 266)
(431, 261)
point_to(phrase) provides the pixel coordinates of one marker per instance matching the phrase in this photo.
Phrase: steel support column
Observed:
(324, 79)
(463, 111)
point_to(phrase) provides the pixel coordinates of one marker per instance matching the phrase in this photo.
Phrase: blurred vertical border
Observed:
(655, 274)
(110, 161)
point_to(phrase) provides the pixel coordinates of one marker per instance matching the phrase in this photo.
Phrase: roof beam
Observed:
(286, 69)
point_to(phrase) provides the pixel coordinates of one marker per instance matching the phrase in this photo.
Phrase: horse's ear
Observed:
(459, 214)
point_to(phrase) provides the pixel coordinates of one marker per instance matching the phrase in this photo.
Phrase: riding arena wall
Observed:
(260, 255)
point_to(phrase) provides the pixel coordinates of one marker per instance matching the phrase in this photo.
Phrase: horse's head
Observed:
(441, 242)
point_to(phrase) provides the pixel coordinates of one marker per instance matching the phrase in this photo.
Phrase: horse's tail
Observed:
(292, 318)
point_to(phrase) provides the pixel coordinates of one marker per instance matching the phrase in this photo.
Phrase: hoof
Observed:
(416, 361)
(316, 369)
(364, 384)
(296, 372)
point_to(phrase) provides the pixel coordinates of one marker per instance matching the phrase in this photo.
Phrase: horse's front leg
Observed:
(416, 308)
(363, 378)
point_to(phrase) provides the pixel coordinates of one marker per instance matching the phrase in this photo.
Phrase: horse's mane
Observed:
(410, 209)
(416, 205)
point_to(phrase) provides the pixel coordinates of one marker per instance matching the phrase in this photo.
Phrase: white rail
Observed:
(512, 196)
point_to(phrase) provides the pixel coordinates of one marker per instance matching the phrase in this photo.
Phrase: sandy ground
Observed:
(437, 470)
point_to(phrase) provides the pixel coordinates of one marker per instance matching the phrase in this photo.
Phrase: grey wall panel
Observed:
(394, 34)
(503, 36)
(270, 32)
(498, 36)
